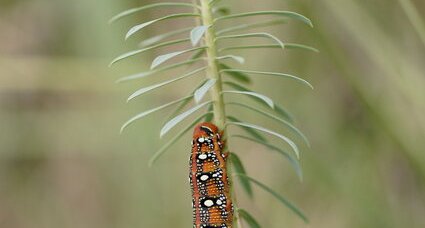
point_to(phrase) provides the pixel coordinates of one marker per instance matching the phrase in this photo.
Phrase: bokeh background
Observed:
(64, 164)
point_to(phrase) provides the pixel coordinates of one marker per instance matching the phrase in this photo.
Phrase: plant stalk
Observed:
(216, 90)
(213, 69)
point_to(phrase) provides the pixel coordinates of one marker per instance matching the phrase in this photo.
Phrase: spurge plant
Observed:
(210, 174)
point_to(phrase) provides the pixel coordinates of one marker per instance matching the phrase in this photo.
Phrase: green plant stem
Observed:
(213, 69)
(213, 72)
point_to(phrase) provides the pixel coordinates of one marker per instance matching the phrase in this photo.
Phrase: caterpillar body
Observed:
(211, 199)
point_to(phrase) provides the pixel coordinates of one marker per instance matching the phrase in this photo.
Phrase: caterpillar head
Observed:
(205, 130)
(207, 136)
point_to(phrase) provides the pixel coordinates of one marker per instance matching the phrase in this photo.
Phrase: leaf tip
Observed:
(297, 154)
(122, 129)
(197, 33)
(130, 32)
(311, 24)
(153, 159)
(155, 63)
(163, 132)
(151, 162)
(311, 86)
(127, 36)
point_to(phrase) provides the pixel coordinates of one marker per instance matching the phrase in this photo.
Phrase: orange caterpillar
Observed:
(211, 200)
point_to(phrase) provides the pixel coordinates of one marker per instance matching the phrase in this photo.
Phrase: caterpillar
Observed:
(211, 200)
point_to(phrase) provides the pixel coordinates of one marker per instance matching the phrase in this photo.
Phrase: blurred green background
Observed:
(64, 164)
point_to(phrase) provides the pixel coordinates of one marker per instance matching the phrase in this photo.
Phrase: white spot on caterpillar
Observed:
(208, 203)
(202, 156)
(204, 177)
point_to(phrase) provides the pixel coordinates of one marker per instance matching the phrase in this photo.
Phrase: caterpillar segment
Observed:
(211, 199)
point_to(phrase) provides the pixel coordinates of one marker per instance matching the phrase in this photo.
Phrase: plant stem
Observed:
(216, 90)
(213, 70)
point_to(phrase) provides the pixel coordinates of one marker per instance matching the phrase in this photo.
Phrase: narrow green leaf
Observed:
(265, 99)
(160, 37)
(277, 196)
(145, 113)
(283, 113)
(294, 162)
(197, 54)
(138, 27)
(238, 59)
(163, 58)
(242, 77)
(197, 33)
(148, 73)
(301, 46)
(258, 34)
(258, 128)
(173, 122)
(209, 117)
(133, 53)
(181, 106)
(221, 10)
(239, 168)
(248, 217)
(271, 74)
(176, 137)
(156, 86)
(139, 9)
(286, 123)
(192, 59)
(248, 130)
(236, 86)
(288, 14)
(287, 46)
(251, 26)
(200, 93)
(278, 109)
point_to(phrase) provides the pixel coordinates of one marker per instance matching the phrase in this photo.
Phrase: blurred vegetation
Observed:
(64, 164)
